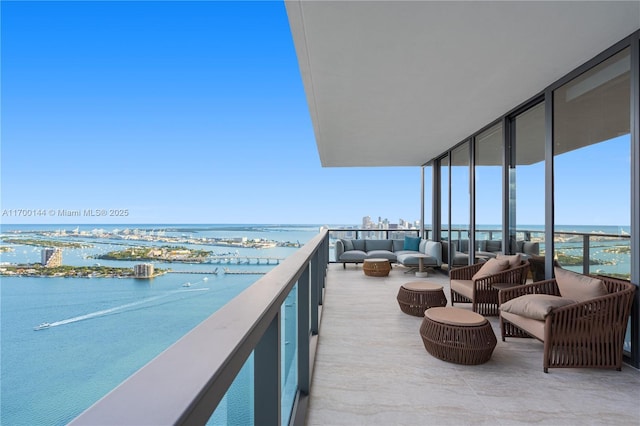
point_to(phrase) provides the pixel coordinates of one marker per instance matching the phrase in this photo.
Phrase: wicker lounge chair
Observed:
(482, 293)
(583, 334)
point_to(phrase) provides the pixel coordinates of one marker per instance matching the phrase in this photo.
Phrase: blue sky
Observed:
(181, 113)
(194, 112)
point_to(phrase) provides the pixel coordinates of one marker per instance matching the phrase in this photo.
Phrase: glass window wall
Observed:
(427, 216)
(460, 203)
(489, 154)
(527, 188)
(592, 170)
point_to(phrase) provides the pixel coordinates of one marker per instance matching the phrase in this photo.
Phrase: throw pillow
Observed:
(514, 260)
(535, 306)
(411, 243)
(577, 286)
(348, 244)
(491, 267)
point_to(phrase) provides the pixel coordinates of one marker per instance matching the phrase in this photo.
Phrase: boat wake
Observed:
(139, 303)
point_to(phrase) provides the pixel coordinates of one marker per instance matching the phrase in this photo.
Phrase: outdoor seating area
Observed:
(480, 283)
(378, 347)
(580, 319)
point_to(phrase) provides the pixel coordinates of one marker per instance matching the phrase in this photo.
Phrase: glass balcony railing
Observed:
(248, 363)
(584, 252)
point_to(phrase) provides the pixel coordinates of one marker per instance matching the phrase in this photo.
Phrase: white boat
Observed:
(42, 326)
(187, 284)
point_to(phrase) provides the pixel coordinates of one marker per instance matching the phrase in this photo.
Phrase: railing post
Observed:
(267, 394)
(318, 271)
(315, 290)
(304, 308)
(585, 254)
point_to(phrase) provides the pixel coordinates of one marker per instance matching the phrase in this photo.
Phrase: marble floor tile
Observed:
(371, 368)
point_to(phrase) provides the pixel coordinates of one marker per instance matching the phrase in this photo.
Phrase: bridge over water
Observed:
(244, 260)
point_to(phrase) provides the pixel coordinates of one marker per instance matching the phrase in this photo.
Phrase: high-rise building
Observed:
(51, 257)
(143, 270)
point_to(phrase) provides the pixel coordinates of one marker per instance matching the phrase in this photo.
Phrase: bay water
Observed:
(104, 329)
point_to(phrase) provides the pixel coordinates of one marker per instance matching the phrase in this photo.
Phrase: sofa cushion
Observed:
(519, 246)
(423, 245)
(514, 259)
(382, 254)
(531, 248)
(491, 267)
(411, 243)
(348, 244)
(398, 245)
(535, 306)
(494, 245)
(358, 245)
(370, 245)
(481, 245)
(408, 258)
(433, 249)
(353, 256)
(577, 286)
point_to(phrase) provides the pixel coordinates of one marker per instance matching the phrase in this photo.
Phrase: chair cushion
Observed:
(577, 286)
(493, 245)
(535, 306)
(491, 267)
(463, 287)
(514, 260)
(348, 244)
(411, 243)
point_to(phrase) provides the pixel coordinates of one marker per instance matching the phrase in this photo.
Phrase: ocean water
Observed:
(104, 329)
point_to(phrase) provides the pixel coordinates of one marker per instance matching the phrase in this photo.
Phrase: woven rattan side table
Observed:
(457, 335)
(417, 296)
(376, 267)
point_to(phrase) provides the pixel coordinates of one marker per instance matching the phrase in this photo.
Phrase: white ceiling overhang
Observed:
(396, 83)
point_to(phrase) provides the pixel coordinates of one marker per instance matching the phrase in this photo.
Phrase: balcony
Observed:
(372, 368)
(366, 359)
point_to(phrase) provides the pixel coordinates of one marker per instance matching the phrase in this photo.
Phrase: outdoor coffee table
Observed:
(376, 267)
(457, 335)
(417, 296)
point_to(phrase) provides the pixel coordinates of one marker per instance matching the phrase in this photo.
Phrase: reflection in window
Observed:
(428, 201)
(460, 197)
(527, 183)
(592, 171)
(488, 183)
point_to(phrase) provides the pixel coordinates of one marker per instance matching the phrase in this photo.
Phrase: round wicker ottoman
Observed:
(457, 335)
(376, 267)
(417, 296)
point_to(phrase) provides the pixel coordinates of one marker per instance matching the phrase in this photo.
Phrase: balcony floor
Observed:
(371, 368)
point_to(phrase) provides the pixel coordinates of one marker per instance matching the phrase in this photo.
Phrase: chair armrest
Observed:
(464, 272)
(540, 287)
(598, 316)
